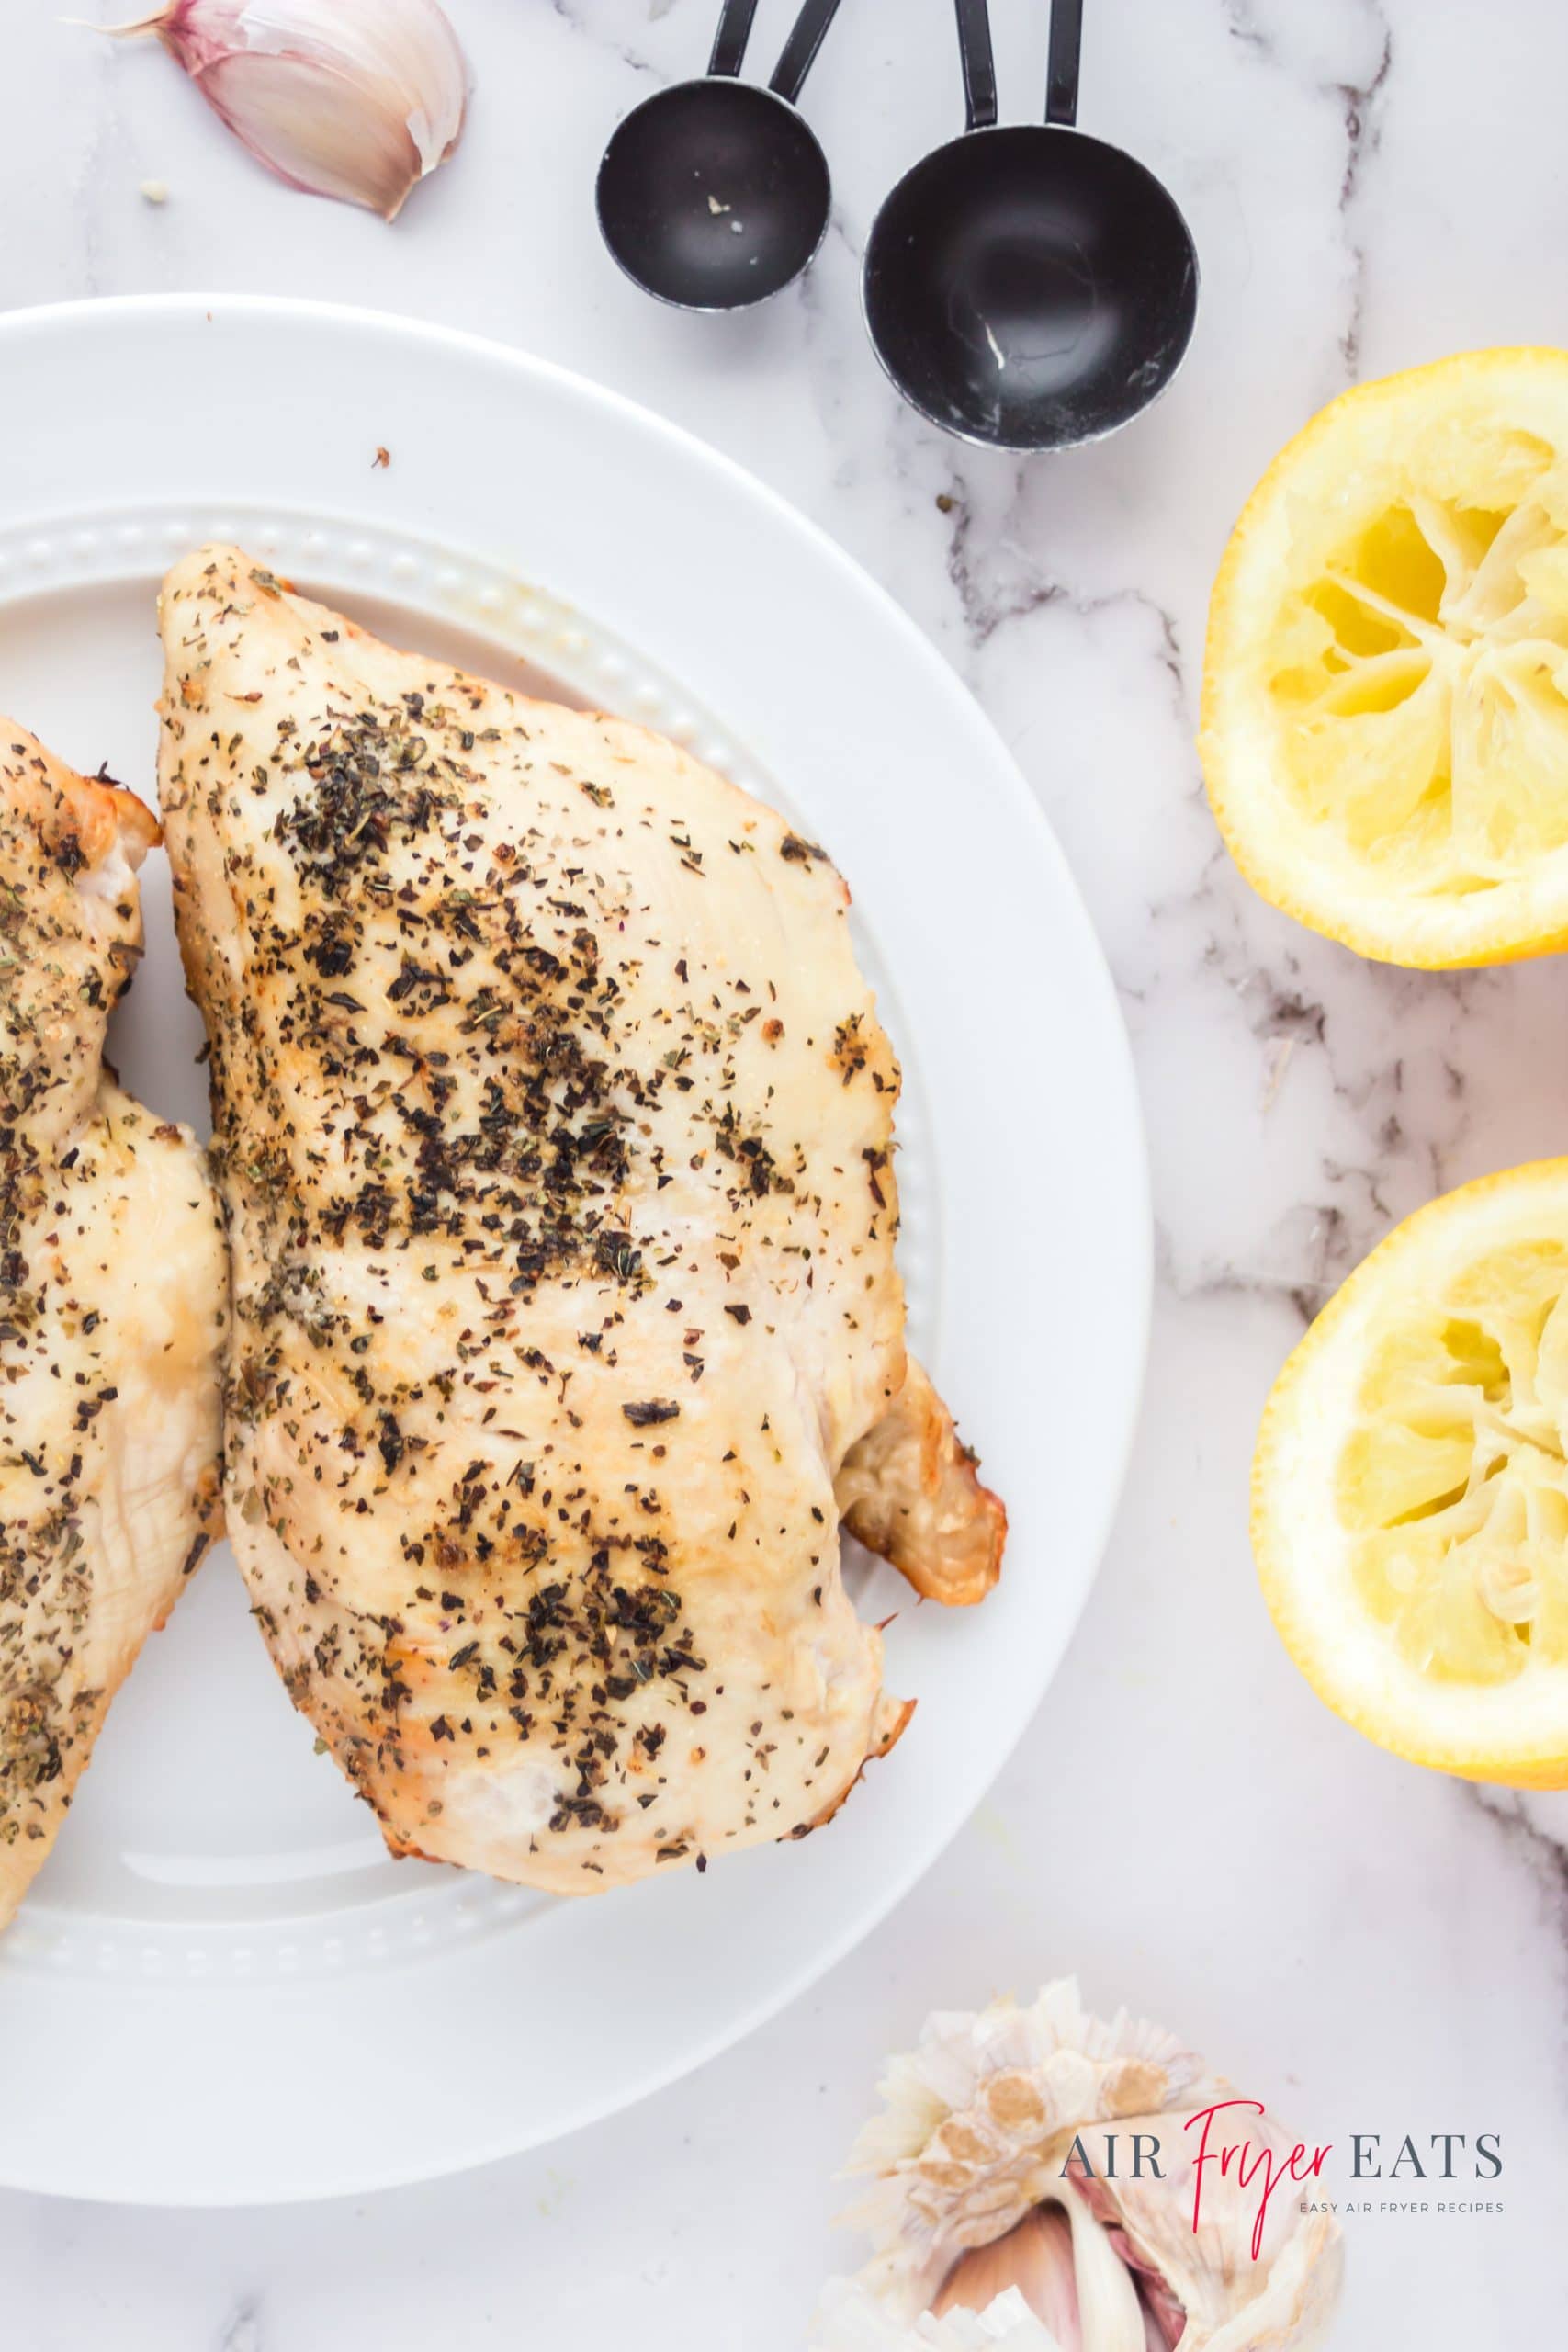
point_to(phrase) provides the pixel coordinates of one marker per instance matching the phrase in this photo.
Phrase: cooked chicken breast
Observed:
(113, 1295)
(554, 1124)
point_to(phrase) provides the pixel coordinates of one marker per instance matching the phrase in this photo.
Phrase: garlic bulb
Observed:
(350, 98)
(978, 2219)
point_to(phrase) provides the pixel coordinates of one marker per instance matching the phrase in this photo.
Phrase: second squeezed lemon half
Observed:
(1410, 1489)
(1385, 700)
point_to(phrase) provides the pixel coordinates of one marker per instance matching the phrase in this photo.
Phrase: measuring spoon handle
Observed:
(979, 65)
(734, 32)
(799, 52)
(1062, 61)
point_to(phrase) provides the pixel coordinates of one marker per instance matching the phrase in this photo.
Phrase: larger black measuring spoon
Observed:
(1027, 286)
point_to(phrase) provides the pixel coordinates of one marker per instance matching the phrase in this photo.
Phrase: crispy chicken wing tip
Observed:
(909, 1490)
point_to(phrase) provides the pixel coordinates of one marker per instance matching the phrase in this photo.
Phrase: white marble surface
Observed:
(1370, 1947)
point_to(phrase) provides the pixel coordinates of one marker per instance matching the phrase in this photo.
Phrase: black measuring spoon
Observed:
(714, 193)
(1026, 285)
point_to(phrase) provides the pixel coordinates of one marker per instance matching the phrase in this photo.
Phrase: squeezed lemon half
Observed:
(1385, 697)
(1410, 1487)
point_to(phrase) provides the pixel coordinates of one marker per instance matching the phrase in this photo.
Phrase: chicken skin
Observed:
(113, 1291)
(554, 1124)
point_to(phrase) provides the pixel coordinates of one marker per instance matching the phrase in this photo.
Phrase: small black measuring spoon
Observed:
(1028, 287)
(714, 193)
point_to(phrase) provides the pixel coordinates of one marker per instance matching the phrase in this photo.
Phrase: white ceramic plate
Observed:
(221, 1990)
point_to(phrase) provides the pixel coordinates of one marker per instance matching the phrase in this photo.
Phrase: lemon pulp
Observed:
(1385, 726)
(1422, 683)
(1453, 1486)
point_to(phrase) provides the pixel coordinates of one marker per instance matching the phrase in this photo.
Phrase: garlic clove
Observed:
(1035, 2257)
(356, 99)
(1164, 2320)
(1111, 2315)
(290, 116)
(1084, 2282)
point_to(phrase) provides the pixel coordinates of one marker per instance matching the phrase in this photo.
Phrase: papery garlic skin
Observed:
(852, 2320)
(976, 2127)
(357, 99)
